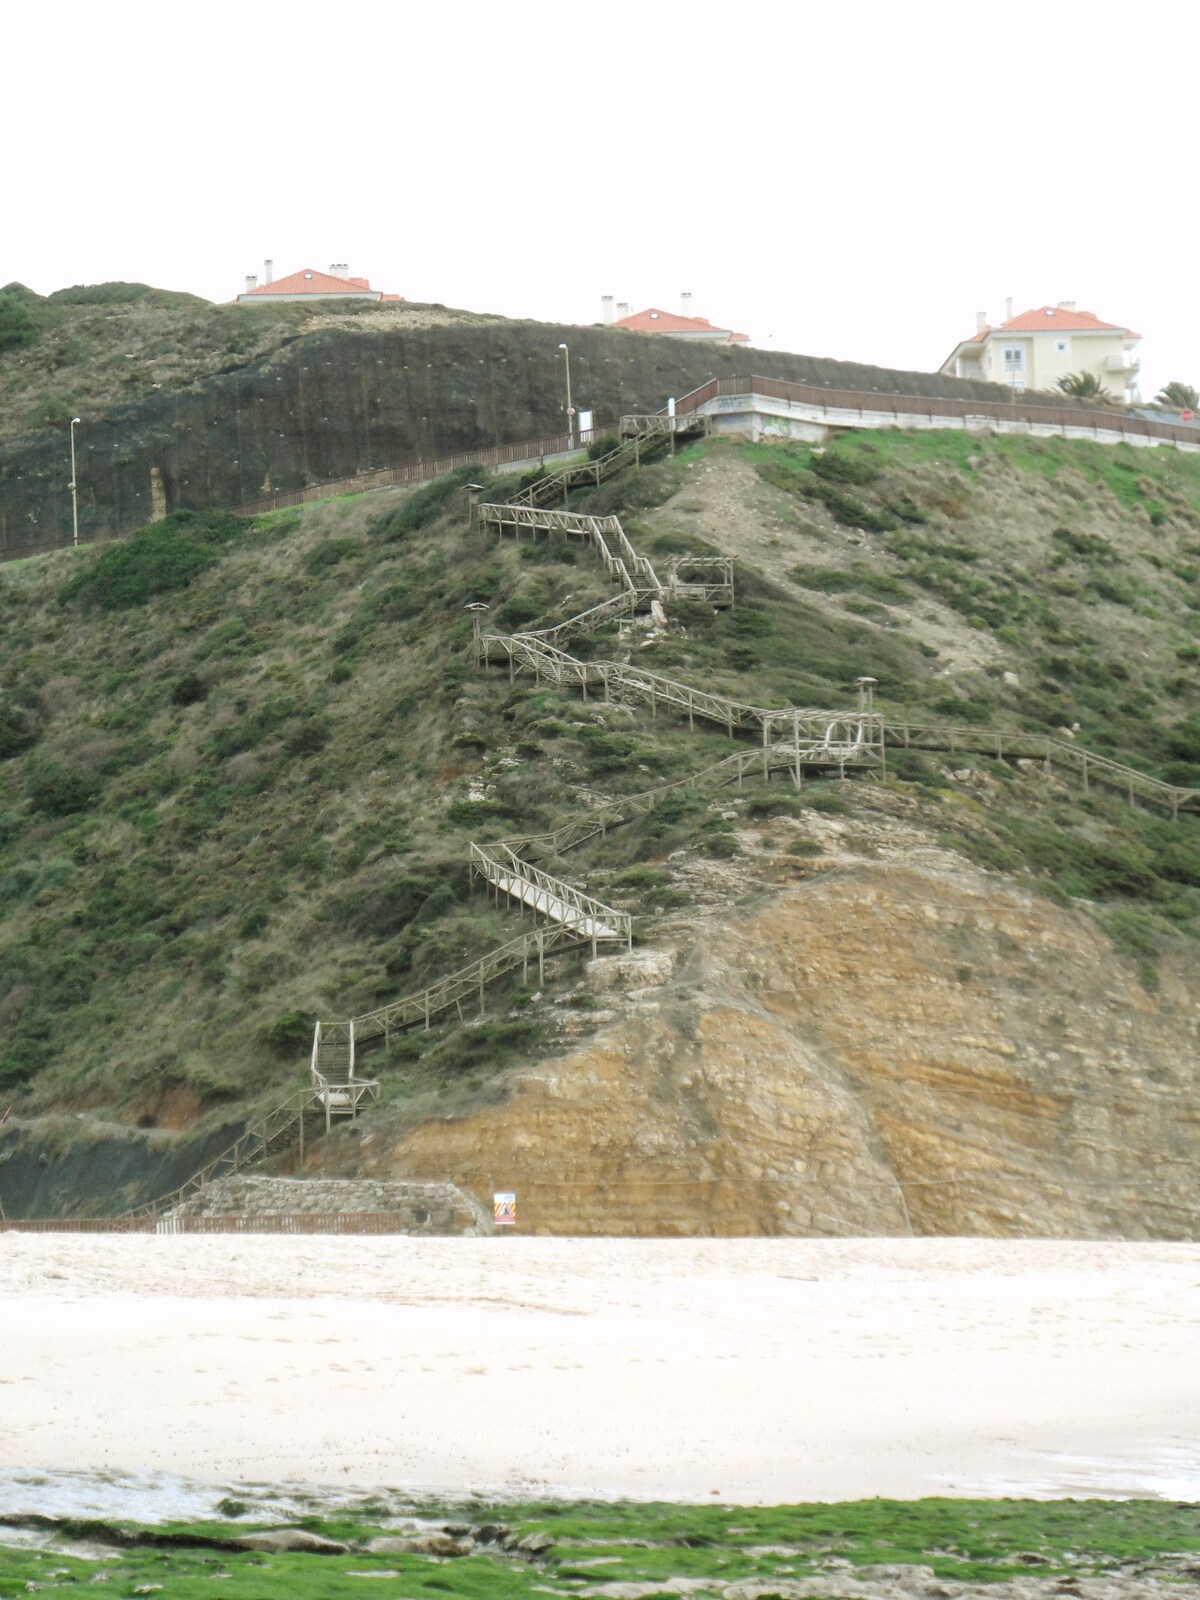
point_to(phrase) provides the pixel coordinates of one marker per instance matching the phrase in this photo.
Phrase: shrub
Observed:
(291, 1032)
(837, 467)
(59, 791)
(17, 327)
(436, 905)
(388, 905)
(828, 803)
(515, 613)
(18, 731)
(189, 690)
(603, 447)
(851, 513)
(858, 577)
(721, 846)
(804, 846)
(424, 505)
(162, 557)
(328, 554)
(776, 805)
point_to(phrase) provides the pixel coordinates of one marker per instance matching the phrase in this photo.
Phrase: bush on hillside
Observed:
(425, 504)
(603, 447)
(839, 468)
(160, 558)
(17, 327)
(58, 791)
(17, 731)
(291, 1032)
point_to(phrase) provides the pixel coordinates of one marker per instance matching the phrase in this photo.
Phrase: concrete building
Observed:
(336, 284)
(1034, 349)
(654, 320)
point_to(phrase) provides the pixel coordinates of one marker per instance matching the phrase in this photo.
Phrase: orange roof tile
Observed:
(1047, 318)
(306, 281)
(1059, 317)
(655, 321)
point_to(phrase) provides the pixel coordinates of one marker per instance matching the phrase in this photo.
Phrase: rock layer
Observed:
(885, 1049)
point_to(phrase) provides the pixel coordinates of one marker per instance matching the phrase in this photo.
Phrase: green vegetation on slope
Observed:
(963, 1541)
(240, 761)
(82, 351)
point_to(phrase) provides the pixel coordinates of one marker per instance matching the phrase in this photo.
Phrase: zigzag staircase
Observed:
(790, 739)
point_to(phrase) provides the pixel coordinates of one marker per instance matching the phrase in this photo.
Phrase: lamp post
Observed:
(570, 407)
(74, 491)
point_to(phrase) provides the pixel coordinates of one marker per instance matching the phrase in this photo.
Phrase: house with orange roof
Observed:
(307, 284)
(654, 320)
(1034, 349)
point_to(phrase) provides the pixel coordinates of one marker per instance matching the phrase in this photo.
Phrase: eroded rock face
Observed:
(884, 1049)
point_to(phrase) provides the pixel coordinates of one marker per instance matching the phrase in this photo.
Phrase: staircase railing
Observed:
(269, 1132)
(499, 865)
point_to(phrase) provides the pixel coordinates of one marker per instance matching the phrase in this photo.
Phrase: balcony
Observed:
(1126, 363)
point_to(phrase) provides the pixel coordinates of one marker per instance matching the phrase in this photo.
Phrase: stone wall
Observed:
(427, 1208)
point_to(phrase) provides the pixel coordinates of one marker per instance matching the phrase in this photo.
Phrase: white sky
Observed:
(850, 180)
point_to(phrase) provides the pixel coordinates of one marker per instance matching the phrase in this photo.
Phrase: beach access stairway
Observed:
(788, 739)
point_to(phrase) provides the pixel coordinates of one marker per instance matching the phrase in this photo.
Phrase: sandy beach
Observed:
(750, 1370)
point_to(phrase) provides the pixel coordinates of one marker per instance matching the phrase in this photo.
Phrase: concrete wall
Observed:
(759, 416)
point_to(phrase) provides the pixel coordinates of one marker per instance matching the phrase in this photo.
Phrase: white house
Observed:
(1034, 349)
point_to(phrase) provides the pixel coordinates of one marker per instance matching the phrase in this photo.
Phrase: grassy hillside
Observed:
(92, 349)
(240, 761)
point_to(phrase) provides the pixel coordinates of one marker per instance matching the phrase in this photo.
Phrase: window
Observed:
(1060, 346)
(1012, 358)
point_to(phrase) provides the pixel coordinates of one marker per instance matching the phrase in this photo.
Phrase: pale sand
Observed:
(750, 1370)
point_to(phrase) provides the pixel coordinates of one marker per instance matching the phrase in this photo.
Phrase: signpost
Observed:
(504, 1210)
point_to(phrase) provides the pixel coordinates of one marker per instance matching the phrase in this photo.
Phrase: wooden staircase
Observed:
(788, 739)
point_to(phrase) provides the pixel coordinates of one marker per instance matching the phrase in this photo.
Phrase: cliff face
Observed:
(883, 1049)
(345, 399)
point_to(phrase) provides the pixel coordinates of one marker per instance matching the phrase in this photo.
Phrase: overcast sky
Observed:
(850, 180)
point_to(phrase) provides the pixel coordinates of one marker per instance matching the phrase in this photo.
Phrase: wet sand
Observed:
(744, 1370)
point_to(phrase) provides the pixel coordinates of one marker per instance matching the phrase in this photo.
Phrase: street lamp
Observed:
(570, 407)
(74, 491)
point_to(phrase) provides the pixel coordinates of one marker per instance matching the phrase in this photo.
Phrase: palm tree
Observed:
(1084, 386)
(1177, 396)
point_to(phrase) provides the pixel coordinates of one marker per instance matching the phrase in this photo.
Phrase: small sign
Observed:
(504, 1210)
(1186, 416)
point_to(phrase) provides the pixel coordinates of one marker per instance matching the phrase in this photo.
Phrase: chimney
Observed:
(339, 269)
(251, 282)
(622, 309)
(685, 301)
(268, 272)
(981, 322)
(1066, 305)
(606, 303)
(1008, 309)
